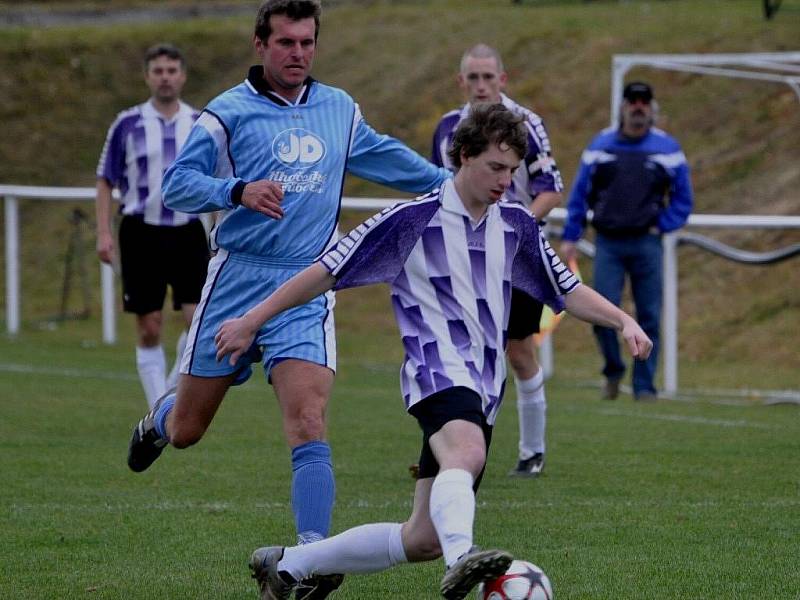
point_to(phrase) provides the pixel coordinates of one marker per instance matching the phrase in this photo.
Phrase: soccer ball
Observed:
(522, 581)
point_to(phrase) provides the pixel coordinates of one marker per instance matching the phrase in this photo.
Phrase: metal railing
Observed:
(14, 193)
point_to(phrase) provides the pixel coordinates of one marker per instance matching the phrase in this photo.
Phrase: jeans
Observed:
(639, 257)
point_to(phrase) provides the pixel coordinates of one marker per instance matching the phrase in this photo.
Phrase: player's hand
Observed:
(638, 343)
(264, 196)
(105, 247)
(568, 251)
(233, 338)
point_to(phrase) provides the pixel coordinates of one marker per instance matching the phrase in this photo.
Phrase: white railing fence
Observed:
(13, 194)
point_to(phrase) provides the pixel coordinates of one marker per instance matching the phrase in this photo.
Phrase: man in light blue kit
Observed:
(272, 153)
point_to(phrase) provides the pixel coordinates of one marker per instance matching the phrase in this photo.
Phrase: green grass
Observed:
(671, 500)
(674, 500)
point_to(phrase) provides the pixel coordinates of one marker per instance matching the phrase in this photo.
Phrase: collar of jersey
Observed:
(149, 111)
(255, 77)
(451, 202)
(504, 100)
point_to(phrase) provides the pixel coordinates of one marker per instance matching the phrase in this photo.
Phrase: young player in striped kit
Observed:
(272, 153)
(157, 245)
(451, 258)
(536, 184)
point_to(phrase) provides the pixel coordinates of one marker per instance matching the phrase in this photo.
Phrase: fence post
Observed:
(670, 322)
(12, 264)
(109, 312)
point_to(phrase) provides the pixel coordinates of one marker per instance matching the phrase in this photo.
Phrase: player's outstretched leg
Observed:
(264, 569)
(149, 439)
(471, 569)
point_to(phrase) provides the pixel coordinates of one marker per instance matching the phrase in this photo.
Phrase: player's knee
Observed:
(419, 548)
(473, 457)
(521, 357)
(149, 338)
(183, 435)
(308, 424)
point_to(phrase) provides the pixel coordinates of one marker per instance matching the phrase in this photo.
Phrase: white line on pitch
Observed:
(65, 372)
(686, 419)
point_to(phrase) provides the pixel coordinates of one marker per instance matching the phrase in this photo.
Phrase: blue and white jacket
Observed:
(625, 183)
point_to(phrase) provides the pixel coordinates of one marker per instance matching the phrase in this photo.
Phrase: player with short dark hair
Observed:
(536, 185)
(451, 259)
(272, 153)
(158, 246)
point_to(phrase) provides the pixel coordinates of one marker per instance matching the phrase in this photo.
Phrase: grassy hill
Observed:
(62, 87)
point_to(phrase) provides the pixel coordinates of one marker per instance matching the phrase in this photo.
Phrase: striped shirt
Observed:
(139, 147)
(538, 171)
(451, 280)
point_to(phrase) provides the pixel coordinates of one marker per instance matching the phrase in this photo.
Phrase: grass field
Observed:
(670, 500)
(680, 499)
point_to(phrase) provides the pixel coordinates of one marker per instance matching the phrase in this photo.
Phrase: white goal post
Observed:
(772, 67)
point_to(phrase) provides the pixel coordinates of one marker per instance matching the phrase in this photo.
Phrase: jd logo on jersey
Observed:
(298, 148)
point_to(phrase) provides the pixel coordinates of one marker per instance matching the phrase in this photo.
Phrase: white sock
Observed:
(532, 410)
(452, 508)
(363, 549)
(172, 378)
(152, 366)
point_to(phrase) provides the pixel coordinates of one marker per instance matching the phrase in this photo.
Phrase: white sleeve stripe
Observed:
(589, 157)
(211, 123)
(669, 161)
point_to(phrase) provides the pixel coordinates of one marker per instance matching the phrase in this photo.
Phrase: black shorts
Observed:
(526, 312)
(154, 256)
(436, 410)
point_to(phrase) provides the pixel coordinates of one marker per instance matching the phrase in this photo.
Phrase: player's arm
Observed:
(436, 151)
(236, 335)
(544, 203)
(384, 159)
(586, 304)
(102, 209)
(201, 178)
(544, 178)
(577, 206)
(680, 199)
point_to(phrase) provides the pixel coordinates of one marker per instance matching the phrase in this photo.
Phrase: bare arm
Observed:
(102, 208)
(235, 335)
(544, 203)
(586, 304)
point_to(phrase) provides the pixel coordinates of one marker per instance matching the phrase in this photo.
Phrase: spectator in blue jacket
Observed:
(635, 181)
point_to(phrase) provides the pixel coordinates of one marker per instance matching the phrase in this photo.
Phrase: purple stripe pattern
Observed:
(451, 306)
(125, 161)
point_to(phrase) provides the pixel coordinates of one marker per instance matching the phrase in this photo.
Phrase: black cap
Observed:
(637, 89)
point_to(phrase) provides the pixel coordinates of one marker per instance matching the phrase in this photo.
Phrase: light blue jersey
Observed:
(249, 133)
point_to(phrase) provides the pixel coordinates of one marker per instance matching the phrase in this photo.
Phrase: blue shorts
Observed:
(236, 282)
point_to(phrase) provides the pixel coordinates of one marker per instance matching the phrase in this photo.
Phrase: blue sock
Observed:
(160, 418)
(313, 490)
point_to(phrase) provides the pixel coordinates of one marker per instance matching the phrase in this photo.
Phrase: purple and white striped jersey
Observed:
(451, 281)
(537, 172)
(139, 147)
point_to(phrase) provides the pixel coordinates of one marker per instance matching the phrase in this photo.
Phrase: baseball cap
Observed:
(637, 89)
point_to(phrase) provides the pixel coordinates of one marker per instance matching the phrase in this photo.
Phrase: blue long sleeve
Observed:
(189, 184)
(577, 205)
(681, 201)
(383, 159)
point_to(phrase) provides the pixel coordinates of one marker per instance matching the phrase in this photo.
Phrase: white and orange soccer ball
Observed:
(522, 581)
